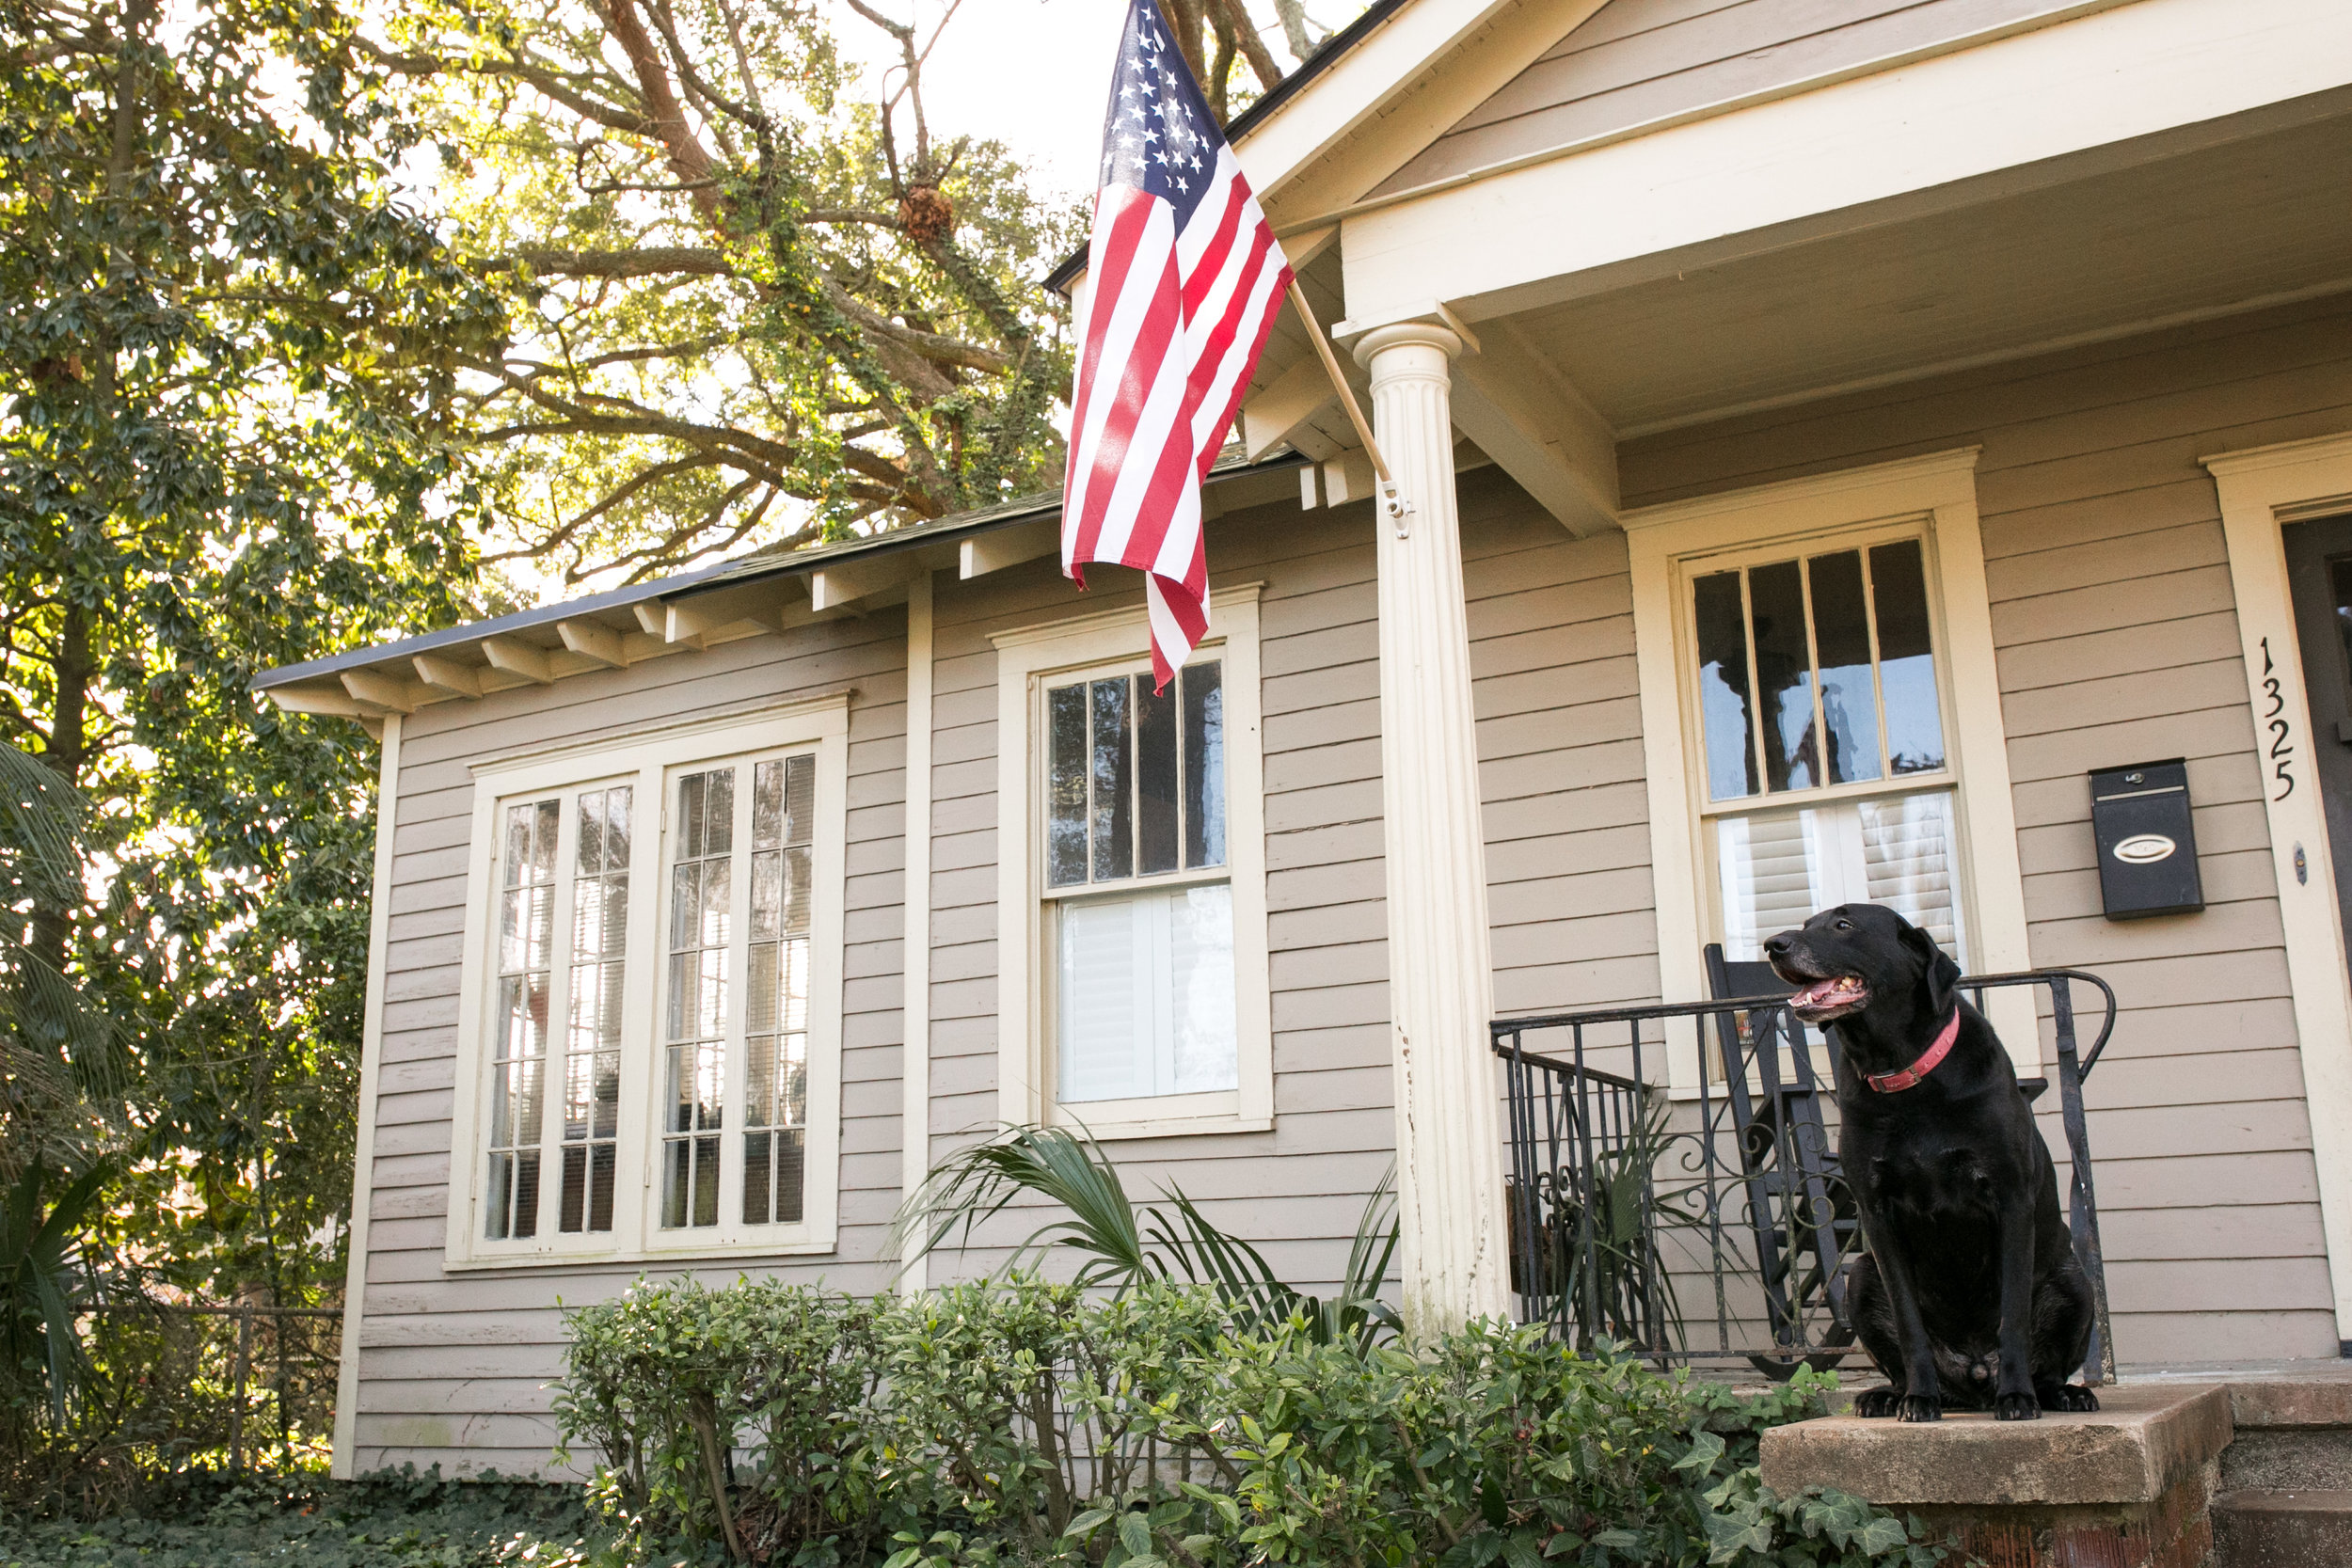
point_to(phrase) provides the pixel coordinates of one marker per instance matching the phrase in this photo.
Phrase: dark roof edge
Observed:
(1335, 46)
(725, 574)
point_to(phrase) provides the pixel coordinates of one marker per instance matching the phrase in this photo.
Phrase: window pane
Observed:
(1156, 789)
(520, 1038)
(1914, 724)
(1203, 688)
(1066, 785)
(1841, 644)
(1784, 676)
(1908, 856)
(1770, 866)
(1724, 687)
(700, 1000)
(775, 1089)
(1200, 963)
(1112, 818)
(592, 1035)
(1104, 1004)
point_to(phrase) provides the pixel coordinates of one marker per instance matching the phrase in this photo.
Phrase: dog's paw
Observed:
(2016, 1407)
(1919, 1408)
(1876, 1403)
(2066, 1396)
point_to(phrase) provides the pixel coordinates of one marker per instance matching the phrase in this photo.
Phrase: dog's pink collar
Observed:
(1887, 1083)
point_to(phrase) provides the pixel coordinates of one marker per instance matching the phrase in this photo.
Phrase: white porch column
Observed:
(1449, 1132)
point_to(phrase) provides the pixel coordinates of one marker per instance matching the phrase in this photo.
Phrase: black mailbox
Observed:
(2147, 842)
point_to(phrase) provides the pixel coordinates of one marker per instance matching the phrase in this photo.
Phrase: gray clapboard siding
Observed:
(2117, 641)
(1637, 62)
(423, 1397)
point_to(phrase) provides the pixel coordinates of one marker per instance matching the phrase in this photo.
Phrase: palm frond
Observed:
(42, 817)
(1048, 1162)
(42, 1283)
(1126, 1244)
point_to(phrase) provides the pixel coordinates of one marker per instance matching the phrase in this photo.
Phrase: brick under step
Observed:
(2304, 1528)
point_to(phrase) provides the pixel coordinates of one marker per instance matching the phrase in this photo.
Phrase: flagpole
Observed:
(1397, 506)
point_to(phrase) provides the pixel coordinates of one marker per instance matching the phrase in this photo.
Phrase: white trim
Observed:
(1940, 490)
(2259, 490)
(646, 761)
(914, 1070)
(346, 1462)
(2013, 105)
(1953, 44)
(1026, 655)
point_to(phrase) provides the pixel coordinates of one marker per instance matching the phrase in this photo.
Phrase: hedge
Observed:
(1022, 1422)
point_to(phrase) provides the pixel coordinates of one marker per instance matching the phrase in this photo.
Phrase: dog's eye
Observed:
(1844, 925)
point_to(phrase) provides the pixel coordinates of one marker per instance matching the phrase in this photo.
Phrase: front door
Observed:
(2319, 576)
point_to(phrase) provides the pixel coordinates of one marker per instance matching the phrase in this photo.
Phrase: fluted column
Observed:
(1449, 1134)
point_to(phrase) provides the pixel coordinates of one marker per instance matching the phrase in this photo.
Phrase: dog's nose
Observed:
(1778, 947)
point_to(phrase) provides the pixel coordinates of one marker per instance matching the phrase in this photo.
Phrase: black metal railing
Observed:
(1649, 1218)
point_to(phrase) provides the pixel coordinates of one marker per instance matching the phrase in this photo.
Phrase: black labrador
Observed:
(1970, 1293)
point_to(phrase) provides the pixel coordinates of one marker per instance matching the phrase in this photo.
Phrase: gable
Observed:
(1639, 62)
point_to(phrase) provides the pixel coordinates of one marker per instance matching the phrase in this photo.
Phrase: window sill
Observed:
(1162, 1127)
(806, 1247)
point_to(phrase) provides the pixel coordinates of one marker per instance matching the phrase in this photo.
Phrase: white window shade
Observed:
(1777, 868)
(1145, 1003)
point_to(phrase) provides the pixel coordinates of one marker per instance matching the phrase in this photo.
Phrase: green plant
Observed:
(391, 1519)
(669, 1380)
(1017, 1421)
(45, 1282)
(1598, 1229)
(1125, 1244)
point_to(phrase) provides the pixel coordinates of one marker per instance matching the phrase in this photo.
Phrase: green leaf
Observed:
(1084, 1525)
(1134, 1534)
(1882, 1534)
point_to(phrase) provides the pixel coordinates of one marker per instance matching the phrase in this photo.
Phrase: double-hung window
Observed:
(1821, 722)
(652, 995)
(1135, 881)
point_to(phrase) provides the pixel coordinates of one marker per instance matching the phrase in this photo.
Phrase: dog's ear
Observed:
(1938, 973)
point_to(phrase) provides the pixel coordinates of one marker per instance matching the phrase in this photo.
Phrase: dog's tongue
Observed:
(1824, 994)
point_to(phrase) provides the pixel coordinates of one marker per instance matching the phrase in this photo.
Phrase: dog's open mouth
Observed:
(1818, 1000)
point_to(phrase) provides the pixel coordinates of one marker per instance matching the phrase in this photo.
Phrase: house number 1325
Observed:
(2282, 733)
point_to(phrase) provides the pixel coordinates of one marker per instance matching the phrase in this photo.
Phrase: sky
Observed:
(1034, 74)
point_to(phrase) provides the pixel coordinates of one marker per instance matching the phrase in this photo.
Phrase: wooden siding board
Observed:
(1639, 60)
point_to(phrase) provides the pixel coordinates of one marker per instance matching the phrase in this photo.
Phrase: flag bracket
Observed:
(1392, 499)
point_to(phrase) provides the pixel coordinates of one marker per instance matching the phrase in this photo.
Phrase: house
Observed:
(1965, 384)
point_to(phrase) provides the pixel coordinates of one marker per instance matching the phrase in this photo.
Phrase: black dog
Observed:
(1970, 1293)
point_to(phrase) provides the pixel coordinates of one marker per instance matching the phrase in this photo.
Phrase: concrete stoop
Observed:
(2220, 1468)
(2130, 1485)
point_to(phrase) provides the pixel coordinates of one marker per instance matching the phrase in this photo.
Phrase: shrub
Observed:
(1023, 1422)
(670, 1381)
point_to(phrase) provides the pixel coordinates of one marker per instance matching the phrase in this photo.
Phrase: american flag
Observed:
(1185, 280)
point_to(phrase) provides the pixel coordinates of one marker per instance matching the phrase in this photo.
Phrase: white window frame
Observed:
(1667, 545)
(650, 762)
(1028, 660)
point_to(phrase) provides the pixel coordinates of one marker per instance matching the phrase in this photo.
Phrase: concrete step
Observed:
(2294, 1434)
(2260, 1528)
